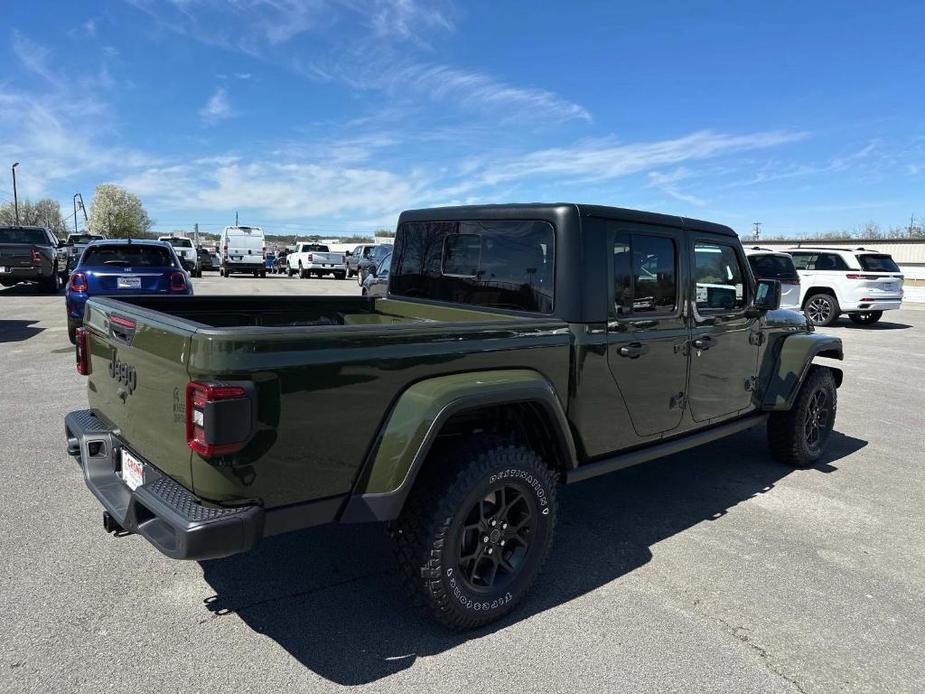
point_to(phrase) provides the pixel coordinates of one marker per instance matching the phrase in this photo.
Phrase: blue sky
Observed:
(334, 115)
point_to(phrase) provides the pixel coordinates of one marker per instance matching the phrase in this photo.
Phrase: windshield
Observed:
(878, 263)
(133, 256)
(772, 267)
(34, 236)
(180, 243)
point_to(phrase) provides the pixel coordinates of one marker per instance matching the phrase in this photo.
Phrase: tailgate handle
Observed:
(121, 328)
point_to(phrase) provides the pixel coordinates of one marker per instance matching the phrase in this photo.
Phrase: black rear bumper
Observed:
(162, 511)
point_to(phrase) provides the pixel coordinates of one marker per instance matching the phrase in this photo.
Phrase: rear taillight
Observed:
(219, 418)
(177, 282)
(78, 282)
(225, 252)
(36, 257)
(82, 351)
(263, 252)
(790, 280)
(852, 276)
(311, 258)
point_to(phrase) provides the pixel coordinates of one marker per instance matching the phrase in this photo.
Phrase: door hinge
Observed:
(756, 339)
(678, 400)
(751, 384)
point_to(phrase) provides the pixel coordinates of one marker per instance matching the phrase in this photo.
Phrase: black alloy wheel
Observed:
(495, 537)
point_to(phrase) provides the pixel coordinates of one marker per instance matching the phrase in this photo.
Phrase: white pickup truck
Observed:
(310, 259)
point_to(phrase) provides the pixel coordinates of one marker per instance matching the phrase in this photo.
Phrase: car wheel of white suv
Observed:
(821, 309)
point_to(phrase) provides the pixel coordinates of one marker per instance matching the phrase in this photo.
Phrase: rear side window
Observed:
(878, 263)
(819, 261)
(772, 267)
(127, 256)
(644, 275)
(719, 280)
(496, 264)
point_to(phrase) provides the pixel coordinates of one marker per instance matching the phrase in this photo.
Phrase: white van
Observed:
(243, 249)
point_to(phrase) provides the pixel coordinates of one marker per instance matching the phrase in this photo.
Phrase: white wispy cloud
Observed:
(602, 159)
(217, 108)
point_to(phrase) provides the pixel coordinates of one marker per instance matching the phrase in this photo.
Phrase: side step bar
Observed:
(660, 450)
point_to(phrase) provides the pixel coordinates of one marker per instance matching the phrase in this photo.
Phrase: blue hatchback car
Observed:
(115, 267)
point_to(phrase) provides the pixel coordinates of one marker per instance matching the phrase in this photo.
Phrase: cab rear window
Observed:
(877, 263)
(134, 256)
(496, 264)
(14, 235)
(772, 267)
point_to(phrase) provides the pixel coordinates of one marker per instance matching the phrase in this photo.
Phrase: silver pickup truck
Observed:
(316, 259)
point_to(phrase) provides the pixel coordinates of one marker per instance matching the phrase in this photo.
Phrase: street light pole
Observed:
(75, 212)
(15, 197)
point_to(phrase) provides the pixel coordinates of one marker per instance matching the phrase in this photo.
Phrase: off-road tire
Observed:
(787, 431)
(429, 533)
(866, 318)
(821, 309)
(302, 274)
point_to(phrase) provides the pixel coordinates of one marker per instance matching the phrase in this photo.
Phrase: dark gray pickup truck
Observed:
(30, 254)
(519, 347)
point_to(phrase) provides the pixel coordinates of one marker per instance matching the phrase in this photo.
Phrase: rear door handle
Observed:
(633, 350)
(703, 343)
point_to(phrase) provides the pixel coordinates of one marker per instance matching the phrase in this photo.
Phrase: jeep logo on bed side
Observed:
(124, 374)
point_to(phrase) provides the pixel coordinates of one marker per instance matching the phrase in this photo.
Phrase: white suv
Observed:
(857, 281)
(768, 264)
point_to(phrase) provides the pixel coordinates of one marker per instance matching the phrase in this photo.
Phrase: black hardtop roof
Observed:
(558, 209)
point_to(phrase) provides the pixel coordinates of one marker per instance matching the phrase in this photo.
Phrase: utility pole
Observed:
(196, 234)
(15, 197)
(75, 211)
(756, 232)
(911, 224)
(235, 217)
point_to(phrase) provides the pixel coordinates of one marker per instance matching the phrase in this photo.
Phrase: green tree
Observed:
(117, 213)
(45, 212)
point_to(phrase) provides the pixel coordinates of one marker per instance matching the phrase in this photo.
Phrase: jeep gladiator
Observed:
(518, 347)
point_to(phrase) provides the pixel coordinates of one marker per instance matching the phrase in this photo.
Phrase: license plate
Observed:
(890, 287)
(128, 282)
(133, 470)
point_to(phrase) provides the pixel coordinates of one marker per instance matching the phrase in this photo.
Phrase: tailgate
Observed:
(327, 258)
(138, 376)
(15, 255)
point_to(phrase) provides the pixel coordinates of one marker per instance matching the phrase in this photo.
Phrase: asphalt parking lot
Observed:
(711, 570)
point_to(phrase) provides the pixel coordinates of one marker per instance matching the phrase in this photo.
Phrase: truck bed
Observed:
(326, 371)
(308, 311)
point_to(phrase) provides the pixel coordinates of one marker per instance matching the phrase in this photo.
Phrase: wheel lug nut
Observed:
(504, 526)
(485, 539)
(502, 543)
(490, 550)
(494, 523)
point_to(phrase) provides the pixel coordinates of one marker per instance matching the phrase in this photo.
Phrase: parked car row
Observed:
(827, 282)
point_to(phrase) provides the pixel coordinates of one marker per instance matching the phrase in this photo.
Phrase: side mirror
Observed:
(767, 295)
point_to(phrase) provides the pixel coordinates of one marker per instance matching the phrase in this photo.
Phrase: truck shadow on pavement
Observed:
(18, 330)
(331, 598)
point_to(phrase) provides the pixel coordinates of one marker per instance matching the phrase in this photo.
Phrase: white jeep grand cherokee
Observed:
(857, 281)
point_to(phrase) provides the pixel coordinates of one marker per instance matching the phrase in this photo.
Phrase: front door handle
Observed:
(703, 343)
(633, 350)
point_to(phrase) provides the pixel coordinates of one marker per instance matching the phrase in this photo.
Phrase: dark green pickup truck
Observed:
(519, 347)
